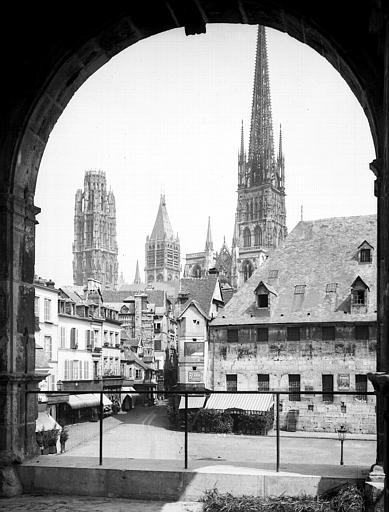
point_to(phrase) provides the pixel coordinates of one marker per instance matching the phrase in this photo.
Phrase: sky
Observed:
(164, 116)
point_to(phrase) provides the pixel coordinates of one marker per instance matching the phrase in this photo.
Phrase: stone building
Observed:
(199, 300)
(260, 218)
(95, 250)
(162, 249)
(304, 321)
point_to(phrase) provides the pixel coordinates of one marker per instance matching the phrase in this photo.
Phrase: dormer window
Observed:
(359, 295)
(365, 252)
(299, 289)
(263, 293)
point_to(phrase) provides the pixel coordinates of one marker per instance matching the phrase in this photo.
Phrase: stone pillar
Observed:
(17, 347)
(380, 379)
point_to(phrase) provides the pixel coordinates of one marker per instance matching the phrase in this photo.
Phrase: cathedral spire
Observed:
(162, 227)
(208, 241)
(137, 279)
(261, 146)
(281, 161)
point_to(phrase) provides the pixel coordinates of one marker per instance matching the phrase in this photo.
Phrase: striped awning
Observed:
(87, 400)
(245, 402)
(194, 402)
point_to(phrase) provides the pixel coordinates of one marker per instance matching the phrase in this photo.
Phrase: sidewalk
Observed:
(59, 503)
(324, 435)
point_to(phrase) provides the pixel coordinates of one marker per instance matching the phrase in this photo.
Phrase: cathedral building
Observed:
(95, 251)
(162, 249)
(260, 219)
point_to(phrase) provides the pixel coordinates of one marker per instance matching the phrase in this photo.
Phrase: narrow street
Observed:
(143, 433)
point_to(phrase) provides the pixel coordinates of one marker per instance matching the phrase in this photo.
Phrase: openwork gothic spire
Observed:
(261, 146)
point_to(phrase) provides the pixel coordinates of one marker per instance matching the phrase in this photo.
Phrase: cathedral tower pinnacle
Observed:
(162, 249)
(95, 251)
(260, 222)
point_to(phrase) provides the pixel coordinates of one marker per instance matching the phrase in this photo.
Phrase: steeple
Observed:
(162, 227)
(281, 162)
(241, 161)
(261, 146)
(137, 279)
(208, 241)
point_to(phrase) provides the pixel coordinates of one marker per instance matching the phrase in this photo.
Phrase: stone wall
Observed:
(311, 358)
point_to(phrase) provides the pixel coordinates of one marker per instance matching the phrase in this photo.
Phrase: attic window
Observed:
(359, 291)
(273, 274)
(359, 296)
(263, 300)
(365, 256)
(365, 251)
(331, 287)
(299, 289)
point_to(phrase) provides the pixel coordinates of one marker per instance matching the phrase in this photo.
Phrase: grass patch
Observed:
(347, 498)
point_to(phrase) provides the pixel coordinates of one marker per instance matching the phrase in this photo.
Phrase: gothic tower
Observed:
(162, 249)
(260, 221)
(95, 251)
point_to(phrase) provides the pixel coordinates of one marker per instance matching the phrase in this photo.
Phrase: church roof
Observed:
(312, 273)
(162, 227)
(156, 297)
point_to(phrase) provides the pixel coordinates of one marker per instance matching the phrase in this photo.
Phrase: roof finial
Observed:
(137, 274)
(208, 241)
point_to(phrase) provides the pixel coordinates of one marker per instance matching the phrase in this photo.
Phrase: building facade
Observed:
(305, 321)
(162, 249)
(95, 250)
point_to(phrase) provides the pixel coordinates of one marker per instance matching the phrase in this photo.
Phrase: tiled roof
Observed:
(156, 297)
(315, 254)
(170, 287)
(131, 357)
(200, 290)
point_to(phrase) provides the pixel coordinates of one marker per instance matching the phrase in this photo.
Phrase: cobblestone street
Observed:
(91, 504)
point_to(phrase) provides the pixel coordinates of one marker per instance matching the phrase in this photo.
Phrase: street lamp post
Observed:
(342, 436)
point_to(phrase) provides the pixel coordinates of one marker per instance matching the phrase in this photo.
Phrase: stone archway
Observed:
(51, 60)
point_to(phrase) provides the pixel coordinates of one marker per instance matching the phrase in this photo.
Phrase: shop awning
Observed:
(246, 402)
(194, 402)
(46, 421)
(87, 400)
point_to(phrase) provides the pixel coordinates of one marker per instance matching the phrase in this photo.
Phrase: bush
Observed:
(256, 424)
(215, 502)
(347, 498)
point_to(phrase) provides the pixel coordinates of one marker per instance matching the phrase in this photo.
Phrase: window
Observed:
(262, 334)
(293, 333)
(263, 382)
(361, 386)
(47, 310)
(257, 236)
(361, 332)
(117, 339)
(75, 370)
(49, 347)
(247, 269)
(87, 339)
(299, 289)
(157, 345)
(232, 382)
(86, 370)
(232, 335)
(73, 338)
(263, 300)
(36, 307)
(246, 237)
(294, 386)
(327, 382)
(67, 370)
(273, 274)
(331, 287)
(193, 349)
(328, 332)
(365, 256)
(62, 337)
(138, 374)
(80, 370)
(359, 297)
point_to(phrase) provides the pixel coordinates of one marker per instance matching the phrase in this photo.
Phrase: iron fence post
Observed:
(186, 430)
(101, 430)
(278, 432)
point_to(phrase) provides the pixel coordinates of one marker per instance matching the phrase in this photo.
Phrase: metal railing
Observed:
(205, 393)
